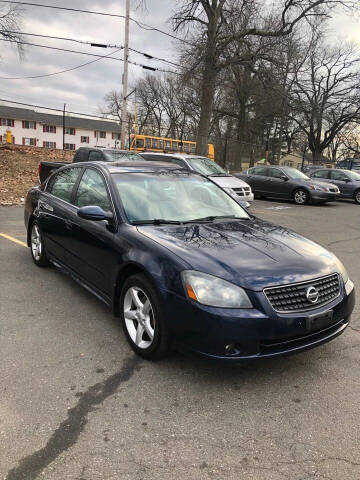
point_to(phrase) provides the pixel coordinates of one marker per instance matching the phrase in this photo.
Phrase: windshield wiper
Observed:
(157, 221)
(219, 174)
(211, 218)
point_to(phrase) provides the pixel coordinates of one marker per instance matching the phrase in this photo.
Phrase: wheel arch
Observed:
(124, 273)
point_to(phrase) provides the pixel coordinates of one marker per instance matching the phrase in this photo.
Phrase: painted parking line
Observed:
(12, 239)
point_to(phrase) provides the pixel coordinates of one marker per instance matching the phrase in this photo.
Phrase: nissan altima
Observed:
(184, 265)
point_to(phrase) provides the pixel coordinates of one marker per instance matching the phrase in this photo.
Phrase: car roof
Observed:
(101, 149)
(182, 156)
(134, 166)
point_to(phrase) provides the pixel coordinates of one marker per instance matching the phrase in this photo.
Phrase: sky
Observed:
(83, 90)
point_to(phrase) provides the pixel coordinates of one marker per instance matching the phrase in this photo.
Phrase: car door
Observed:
(343, 182)
(54, 209)
(93, 252)
(257, 178)
(277, 186)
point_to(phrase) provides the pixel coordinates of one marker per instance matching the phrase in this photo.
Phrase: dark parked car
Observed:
(347, 181)
(184, 265)
(89, 154)
(288, 183)
(349, 164)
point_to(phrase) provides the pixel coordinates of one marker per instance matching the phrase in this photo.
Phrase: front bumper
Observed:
(317, 196)
(257, 333)
(244, 198)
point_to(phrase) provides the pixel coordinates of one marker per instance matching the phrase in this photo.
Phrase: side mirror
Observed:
(94, 213)
(347, 180)
(284, 177)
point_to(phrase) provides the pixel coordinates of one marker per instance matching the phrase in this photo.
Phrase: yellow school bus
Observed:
(148, 143)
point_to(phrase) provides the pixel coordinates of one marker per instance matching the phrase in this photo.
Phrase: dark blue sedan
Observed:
(183, 265)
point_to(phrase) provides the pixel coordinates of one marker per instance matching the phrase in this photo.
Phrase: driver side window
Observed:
(92, 191)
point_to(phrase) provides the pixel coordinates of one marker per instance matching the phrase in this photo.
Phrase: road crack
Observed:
(68, 432)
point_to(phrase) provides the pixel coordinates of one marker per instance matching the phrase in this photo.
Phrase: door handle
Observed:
(68, 224)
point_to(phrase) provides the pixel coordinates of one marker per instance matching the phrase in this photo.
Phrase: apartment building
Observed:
(22, 126)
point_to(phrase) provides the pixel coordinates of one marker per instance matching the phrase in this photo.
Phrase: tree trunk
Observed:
(206, 106)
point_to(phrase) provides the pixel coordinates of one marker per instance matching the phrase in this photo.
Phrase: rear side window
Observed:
(92, 191)
(95, 156)
(62, 183)
(259, 171)
(320, 174)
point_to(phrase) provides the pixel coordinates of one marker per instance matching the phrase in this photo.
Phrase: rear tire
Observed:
(142, 318)
(357, 197)
(37, 246)
(301, 196)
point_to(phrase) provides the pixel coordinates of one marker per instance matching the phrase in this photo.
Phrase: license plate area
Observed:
(319, 322)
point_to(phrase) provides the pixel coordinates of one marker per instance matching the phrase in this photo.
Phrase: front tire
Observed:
(357, 197)
(142, 318)
(301, 197)
(37, 246)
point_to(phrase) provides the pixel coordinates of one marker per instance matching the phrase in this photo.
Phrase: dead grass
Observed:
(19, 170)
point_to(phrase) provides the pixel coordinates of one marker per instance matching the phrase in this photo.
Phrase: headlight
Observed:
(318, 188)
(349, 286)
(343, 272)
(214, 291)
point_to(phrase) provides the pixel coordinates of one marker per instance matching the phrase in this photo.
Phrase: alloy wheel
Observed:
(300, 197)
(139, 317)
(36, 243)
(357, 197)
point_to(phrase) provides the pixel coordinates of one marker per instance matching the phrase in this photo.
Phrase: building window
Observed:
(69, 131)
(29, 141)
(49, 128)
(100, 134)
(116, 136)
(69, 146)
(28, 124)
(7, 122)
(85, 140)
(49, 144)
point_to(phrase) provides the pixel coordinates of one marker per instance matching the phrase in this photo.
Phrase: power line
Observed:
(142, 25)
(92, 44)
(61, 71)
(146, 67)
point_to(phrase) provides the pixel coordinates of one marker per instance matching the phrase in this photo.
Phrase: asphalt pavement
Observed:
(76, 403)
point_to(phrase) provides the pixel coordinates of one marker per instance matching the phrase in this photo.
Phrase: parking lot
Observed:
(77, 404)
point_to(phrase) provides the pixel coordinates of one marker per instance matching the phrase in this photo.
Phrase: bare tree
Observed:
(219, 26)
(10, 22)
(326, 95)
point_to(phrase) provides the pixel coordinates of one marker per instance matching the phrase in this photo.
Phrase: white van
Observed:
(237, 188)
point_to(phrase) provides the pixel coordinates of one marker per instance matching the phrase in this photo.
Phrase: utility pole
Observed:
(125, 76)
(64, 126)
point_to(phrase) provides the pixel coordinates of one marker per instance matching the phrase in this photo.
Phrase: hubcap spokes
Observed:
(36, 245)
(139, 317)
(300, 197)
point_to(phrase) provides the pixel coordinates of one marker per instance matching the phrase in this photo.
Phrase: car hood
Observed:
(251, 253)
(228, 182)
(319, 183)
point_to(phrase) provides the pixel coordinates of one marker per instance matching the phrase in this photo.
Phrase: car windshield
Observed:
(120, 156)
(352, 175)
(170, 196)
(296, 174)
(206, 166)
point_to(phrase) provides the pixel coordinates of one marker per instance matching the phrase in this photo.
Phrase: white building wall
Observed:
(19, 133)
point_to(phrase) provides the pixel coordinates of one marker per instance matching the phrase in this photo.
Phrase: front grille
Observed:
(292, 298)
(242, 191)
